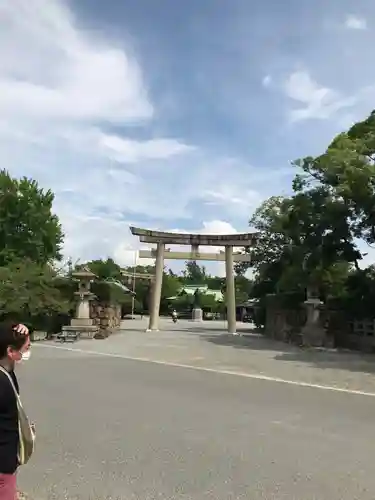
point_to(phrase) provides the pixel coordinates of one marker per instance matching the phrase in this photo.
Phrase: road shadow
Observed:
(332, 359)
(214, 328)
(320, 358)
(194, 328)
(252, 340)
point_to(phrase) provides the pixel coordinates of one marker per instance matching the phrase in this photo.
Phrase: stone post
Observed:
(156, 289)
(197, 313)
(313, 334)
(230, 292)
(83, 307)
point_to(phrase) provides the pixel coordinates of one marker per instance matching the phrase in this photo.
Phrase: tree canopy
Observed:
(28, 227)
(310, 239)
(194, 273)
(29, 290)
(105, 269)
(30, 242)
(347, 171)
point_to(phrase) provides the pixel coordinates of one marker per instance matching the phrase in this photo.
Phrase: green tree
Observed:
(183, 302)
(243, 287)
(127, 305)
(105, 269)
(28, 227)
(171, 284)
(28, 292)
(208, 302)
(268, 221)
(143, 286)
(171, 287)
(347, 171)
(357, 297)
(309, 238)
(194, 273)
(215, 282)
(302, 240)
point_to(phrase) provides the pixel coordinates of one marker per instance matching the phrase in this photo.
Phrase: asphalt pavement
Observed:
(115, 428)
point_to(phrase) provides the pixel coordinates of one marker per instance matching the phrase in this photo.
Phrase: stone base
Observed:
(81, 322)
(197, 315)
(38, 335)
(313, 333)
(313, 336)
(82, 332)
(102, 334)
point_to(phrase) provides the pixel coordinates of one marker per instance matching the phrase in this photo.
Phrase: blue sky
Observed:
(174, 115)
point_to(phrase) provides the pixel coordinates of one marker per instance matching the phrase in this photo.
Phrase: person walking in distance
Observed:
(16, 434)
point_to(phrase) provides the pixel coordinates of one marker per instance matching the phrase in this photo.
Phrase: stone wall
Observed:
(338, 330)
(284, 324)
(352, 334)
(107, 316)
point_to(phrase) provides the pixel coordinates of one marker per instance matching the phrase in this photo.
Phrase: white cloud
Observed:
(130, 151)
(317, 101)
(301, 87)
(218, 227)
(267, 81)
(51, 70)
(355, 22)
(239, 198)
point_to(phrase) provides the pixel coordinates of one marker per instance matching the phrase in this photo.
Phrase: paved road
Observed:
(112, 428)
(206, 346)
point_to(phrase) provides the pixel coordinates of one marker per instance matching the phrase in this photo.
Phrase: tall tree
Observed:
(347, 171)
(28, 227)
(143, 286)
(301, 240)
(28, 290)
(243, 287)
(105, 269)
(268, 221)
(194, 273)
(171, 284)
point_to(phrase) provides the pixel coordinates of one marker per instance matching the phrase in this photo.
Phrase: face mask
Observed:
(26, 355)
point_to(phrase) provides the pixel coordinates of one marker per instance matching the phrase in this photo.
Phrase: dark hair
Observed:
(9, 337)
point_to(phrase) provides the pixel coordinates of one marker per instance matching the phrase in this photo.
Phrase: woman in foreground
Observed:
(14, 346)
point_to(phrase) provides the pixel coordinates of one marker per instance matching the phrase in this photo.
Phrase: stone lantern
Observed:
(82, 325)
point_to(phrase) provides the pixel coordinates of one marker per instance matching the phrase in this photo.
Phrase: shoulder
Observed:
(3, 377)
(5, 384)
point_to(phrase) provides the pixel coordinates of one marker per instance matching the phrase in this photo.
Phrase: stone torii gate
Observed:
(161, 238)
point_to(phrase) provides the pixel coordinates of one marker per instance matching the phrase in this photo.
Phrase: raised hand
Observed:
(22, 329)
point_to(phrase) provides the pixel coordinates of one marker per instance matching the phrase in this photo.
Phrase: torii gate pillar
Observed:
(230, 291)
(156, 289)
